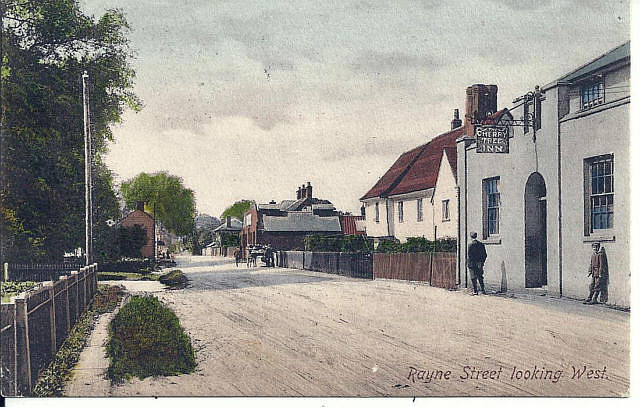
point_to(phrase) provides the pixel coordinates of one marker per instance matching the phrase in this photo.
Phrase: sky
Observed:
(250, 99)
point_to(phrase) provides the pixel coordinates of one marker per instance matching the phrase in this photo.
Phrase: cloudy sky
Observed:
(249, 99)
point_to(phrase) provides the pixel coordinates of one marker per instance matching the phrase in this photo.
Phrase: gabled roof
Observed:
(350, 226)
(131, 213)
(301, 222)
(619, 53)
(417, 169)
(236, 226)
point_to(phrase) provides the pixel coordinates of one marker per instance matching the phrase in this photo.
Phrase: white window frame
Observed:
(445, 210)
(494, 197)
(606, 193)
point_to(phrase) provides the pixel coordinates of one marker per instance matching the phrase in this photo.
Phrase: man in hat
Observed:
(599, 273)
(476, 256)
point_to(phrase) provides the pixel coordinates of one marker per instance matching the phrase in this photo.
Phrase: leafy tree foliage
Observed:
(46, 45)
(164, 195)
(236, 210)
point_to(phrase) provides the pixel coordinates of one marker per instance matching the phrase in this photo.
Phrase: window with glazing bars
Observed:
(492, 205)
(601, 192)
(400, 212)
(445, 209)
(592, 94)
(419, 208)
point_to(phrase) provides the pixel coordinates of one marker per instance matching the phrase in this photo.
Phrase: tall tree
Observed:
(236, 210)
(46, 45)
(164, 195)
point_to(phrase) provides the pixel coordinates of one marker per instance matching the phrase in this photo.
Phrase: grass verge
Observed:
(146, 339)
(111, 276)
(174, 279)
(52, 380)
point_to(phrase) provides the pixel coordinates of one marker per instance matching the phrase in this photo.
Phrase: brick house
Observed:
(285, 225)
(145, 221)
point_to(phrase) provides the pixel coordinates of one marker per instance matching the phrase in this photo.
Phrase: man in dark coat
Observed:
(476, 256)
(599, 273)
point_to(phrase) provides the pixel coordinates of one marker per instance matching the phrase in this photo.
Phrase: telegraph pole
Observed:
(87, 170)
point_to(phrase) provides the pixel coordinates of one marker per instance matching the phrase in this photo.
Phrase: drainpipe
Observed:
(459, 259)
(466, 209)
(559, 208)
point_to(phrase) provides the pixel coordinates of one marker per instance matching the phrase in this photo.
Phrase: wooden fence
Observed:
(224, 251)
(35, 323)
(438, 269)
(38, 272)
(357, 265)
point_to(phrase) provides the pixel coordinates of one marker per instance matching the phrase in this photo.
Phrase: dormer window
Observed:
(592, 94)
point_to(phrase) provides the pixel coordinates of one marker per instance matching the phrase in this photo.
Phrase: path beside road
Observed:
(282, 332)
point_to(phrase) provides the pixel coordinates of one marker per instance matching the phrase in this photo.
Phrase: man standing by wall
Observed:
(599, 272)
(476, 256)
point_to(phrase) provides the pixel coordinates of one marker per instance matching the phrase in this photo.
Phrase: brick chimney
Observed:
(299, 194)
(228, 221)
(481, 100)
(303, 192)
(140, 206)
(456, 122)
(309, 190)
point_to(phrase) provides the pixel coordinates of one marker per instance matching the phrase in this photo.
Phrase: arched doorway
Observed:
(535, 231)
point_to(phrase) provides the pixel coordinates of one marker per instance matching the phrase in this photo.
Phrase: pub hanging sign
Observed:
(492, 139)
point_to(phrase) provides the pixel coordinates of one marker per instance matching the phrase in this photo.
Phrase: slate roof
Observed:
(236, 226)
(301, 222)
(619, 53)
(417, 169)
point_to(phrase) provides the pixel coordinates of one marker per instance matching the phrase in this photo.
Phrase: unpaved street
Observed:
(287, 332)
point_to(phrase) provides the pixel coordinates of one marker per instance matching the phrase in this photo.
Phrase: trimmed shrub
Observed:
(174, 279)
(146, 339)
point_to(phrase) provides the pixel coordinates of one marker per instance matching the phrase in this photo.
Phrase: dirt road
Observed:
(287, 332)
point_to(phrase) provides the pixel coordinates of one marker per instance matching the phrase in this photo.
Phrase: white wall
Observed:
(445, 189)
(410, 226)
(605, 132)
(376, 229)
(525, 157)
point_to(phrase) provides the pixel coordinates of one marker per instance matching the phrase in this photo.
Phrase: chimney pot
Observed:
(456, 122)
(140, 205)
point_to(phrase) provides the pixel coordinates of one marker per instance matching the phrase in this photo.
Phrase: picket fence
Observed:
(35, 324)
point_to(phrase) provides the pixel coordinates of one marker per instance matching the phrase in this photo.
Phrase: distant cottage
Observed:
(145, 221)
(285, 225)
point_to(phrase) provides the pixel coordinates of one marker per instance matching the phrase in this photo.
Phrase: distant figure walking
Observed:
(268, 255)
(237, 255)
(476, 256)
(599, 273)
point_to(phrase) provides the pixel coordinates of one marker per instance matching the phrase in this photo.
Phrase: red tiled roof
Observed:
(348, 223)
(393, 174)
(418, 169)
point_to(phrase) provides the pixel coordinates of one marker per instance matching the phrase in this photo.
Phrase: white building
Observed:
(417, 196)
(539, 207)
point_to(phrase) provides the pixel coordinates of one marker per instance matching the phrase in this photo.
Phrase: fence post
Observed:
(52, 315)
(85, 271)
(66, 303)
(23, 355)
(95, 278)
(77, 302)
(5, 272)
